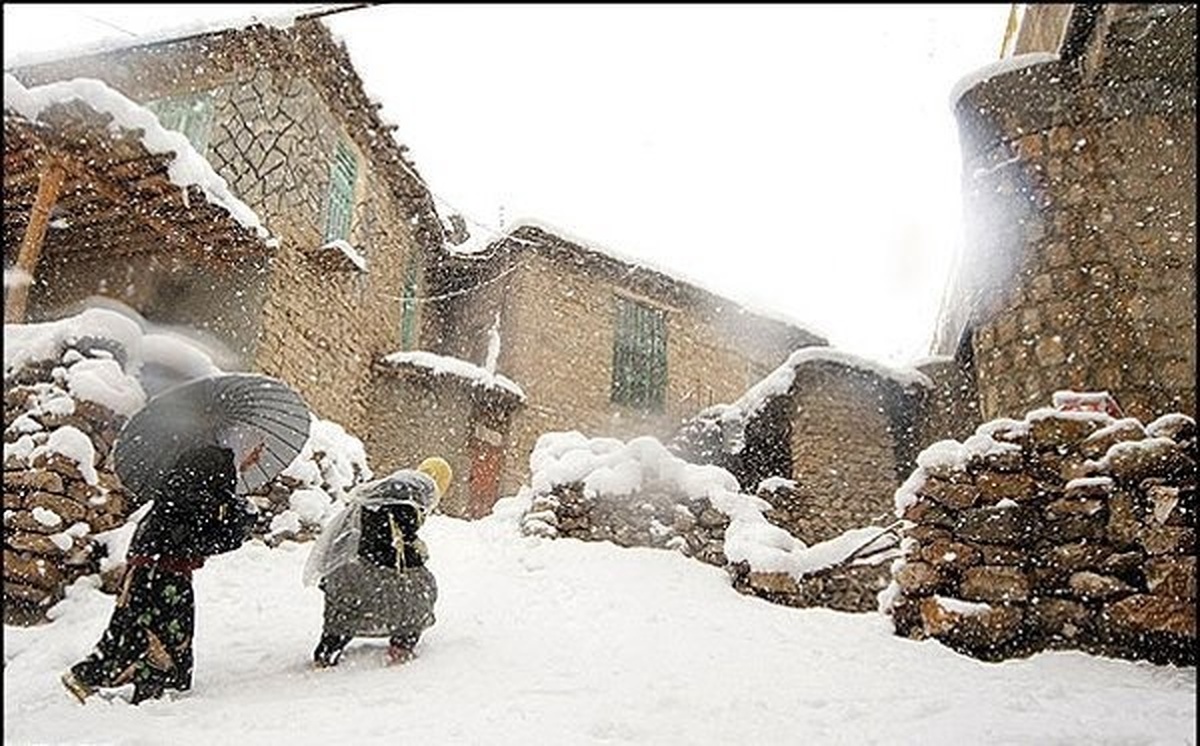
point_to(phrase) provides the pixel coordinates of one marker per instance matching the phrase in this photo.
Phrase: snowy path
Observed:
(575, 643)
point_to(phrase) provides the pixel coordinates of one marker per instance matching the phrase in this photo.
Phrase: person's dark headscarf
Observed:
(210, 468)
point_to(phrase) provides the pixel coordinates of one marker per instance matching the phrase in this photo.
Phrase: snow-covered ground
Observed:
(543, 641)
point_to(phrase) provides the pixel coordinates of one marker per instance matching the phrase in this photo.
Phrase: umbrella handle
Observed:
(252, 457)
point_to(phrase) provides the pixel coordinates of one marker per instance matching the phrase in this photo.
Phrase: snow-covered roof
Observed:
(537, 234)
(999, 67)
(445, 365)
(186, 168)
(210, 20)
(779, 381)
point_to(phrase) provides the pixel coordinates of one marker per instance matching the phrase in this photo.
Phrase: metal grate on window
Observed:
(639, 356)
(343, 171)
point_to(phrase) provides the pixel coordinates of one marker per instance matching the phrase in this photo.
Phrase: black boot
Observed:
(329, 650)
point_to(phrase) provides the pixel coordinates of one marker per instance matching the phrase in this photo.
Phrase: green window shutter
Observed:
(191, 115)
(343, 171)
(408, 306)
(639, 356)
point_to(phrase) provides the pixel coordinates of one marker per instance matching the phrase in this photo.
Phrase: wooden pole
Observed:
(49, 185)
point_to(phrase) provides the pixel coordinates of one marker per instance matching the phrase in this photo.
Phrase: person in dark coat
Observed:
(370, 563)
(148, 642)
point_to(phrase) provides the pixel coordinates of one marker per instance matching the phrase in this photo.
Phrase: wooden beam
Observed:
(16, 298)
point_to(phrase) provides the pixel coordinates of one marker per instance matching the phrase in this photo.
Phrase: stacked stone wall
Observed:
(52, 511)
(1082, 537)
(1079, 182)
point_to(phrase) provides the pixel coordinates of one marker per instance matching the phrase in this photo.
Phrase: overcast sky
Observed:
(802, 159)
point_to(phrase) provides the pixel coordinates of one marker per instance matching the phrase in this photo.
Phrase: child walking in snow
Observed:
(370, 563)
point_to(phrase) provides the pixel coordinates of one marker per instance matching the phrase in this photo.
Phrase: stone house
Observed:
(593, 343)
(1079, 183)
(355, 267)
(279, 114)
(826, 438)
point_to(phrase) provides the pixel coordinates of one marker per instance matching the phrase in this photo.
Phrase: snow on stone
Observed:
(64, 540)
(287, 522)
(1085, 482)
(1169, 423)
(611, 469)
(672, 273)
(24, 424)
(311, 506)
(20, 449)
(27, 343)
(343, 247)
(770, 484)
(1128, 448)
(46, 517)
(999, 67)
(443, 365)
(187, 167)
(961, 607)
(70, 442)
(103, 382)
(330, 460)
(116, 541)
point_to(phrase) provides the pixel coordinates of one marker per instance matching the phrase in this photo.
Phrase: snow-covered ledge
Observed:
(339, 255)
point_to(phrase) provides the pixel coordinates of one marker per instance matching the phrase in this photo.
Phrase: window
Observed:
(639, 356)
(408, 306)
(191, 115)
(342, 174)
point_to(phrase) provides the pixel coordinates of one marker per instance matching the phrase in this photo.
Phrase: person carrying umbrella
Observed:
(370, 564)
(148, 642)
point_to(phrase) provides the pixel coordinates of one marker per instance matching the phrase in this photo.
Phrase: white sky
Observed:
(802, 159)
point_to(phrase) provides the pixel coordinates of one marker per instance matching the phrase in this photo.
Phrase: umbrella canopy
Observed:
(261, 419)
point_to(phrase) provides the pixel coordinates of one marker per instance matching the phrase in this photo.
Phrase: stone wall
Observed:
(1079, 184)
(52, 512)
(951, 407)
(655, 519)
(1070, 532)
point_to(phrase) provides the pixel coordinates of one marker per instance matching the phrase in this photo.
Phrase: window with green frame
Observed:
(343, 171)
(408, 306)
(189, 114)
(639, 356)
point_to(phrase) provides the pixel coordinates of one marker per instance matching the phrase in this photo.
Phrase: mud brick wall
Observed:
(1083, 538)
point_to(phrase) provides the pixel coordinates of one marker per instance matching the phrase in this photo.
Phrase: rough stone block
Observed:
(994, 583)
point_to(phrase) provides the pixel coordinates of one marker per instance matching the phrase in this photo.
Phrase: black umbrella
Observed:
(261, 419)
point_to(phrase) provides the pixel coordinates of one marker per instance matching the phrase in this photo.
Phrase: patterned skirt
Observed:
(364, 600)
(148, 641)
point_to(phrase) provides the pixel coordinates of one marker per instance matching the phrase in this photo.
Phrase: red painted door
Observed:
(484, 480)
